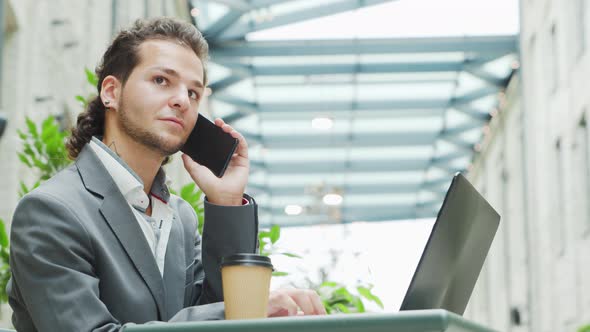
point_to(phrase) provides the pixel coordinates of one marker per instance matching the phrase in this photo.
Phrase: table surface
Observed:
(404, 321)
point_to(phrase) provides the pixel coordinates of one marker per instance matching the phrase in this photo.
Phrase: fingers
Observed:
(318, 305)
(303, 300)
(281, 304)
(309, 302)
(242, 149)
(289, 301)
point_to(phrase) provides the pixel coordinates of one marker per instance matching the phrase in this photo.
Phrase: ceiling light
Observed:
(293, 210)
(322, 123)
(332, 199)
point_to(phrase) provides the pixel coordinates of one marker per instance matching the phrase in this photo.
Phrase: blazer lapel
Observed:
(123, 223)
(174, 268)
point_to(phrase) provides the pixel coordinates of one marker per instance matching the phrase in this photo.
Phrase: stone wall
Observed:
(47, 45)
(535, 170)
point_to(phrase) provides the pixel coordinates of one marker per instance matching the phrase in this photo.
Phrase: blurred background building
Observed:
(352, 126)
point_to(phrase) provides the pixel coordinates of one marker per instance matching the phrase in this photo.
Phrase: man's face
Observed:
(159, 102)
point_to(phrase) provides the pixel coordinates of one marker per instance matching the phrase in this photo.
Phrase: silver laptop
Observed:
(455, 252)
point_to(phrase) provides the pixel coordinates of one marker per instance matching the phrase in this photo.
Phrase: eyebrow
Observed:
(174, 73)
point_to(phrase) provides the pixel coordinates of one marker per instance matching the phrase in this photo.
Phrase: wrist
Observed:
(226, 200)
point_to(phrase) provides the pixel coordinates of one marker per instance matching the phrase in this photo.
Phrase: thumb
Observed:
(192, 167)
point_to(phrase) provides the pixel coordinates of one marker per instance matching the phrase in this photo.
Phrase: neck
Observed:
(145, 162)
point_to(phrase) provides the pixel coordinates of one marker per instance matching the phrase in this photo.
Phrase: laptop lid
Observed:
(455, 252)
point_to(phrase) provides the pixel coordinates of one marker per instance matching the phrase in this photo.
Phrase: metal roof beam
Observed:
(306, 220)
(267, 3)
(475, 114)
(487, 78)
(473, 96)
(459, 143)
(431, 114)
(311, 83)
(240, 30)
(362, 166)
(475, 68)
(222, 24)
(454, 131)
(393, 104)
(240, 5)
(358, 188)
(369, 210)
(252, 139)
(343, 140)
(348, 167)
(480, 45)
(242, 105)
(361, 68)
(289, 69)
(225, 83)
(235, 116)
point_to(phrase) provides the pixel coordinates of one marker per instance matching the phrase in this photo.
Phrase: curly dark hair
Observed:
(120, 59)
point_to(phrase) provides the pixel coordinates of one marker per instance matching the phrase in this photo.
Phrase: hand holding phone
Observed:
(210, 146)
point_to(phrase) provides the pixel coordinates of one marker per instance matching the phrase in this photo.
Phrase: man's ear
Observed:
(110, 92)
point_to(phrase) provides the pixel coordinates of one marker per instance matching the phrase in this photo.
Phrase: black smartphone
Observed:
(210, 146)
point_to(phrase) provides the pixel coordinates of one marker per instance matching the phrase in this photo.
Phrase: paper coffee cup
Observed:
(246, 284)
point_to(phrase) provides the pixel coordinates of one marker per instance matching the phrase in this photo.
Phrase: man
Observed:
(103, 243)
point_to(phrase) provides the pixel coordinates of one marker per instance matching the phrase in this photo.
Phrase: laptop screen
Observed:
(455, 252)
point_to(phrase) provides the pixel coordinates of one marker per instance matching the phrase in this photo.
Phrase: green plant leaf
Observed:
(341, 308)
(38, 146)
(28, 150)
(288, 254)
(585, 328)
(343, 293)
(279, 274)
(329, 284)
(49, 133)
(197, 196)
(186, 190)
(47, 123)
(358, 303)
(275, 233)
(40, 165)
(21, 135)
(32, 127)
(23, 189)
(91, 77)
(24, 160)
(366, 293)
(3, 235)
(82, 100)
(5, 255)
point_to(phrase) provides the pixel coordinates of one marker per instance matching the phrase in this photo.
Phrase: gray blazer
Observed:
(80, 261)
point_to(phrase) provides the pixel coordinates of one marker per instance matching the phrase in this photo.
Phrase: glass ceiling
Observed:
(383, 122)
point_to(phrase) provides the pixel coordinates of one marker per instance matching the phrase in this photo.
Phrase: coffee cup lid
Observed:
(246, 259)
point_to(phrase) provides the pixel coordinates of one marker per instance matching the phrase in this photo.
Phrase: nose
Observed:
(180, 100)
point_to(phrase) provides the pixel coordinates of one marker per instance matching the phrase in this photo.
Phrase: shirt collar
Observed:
(129, 183)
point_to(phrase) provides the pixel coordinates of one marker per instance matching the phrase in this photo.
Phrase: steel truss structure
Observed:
(407, 113)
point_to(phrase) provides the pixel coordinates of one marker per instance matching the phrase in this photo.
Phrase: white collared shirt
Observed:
(133, 190)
